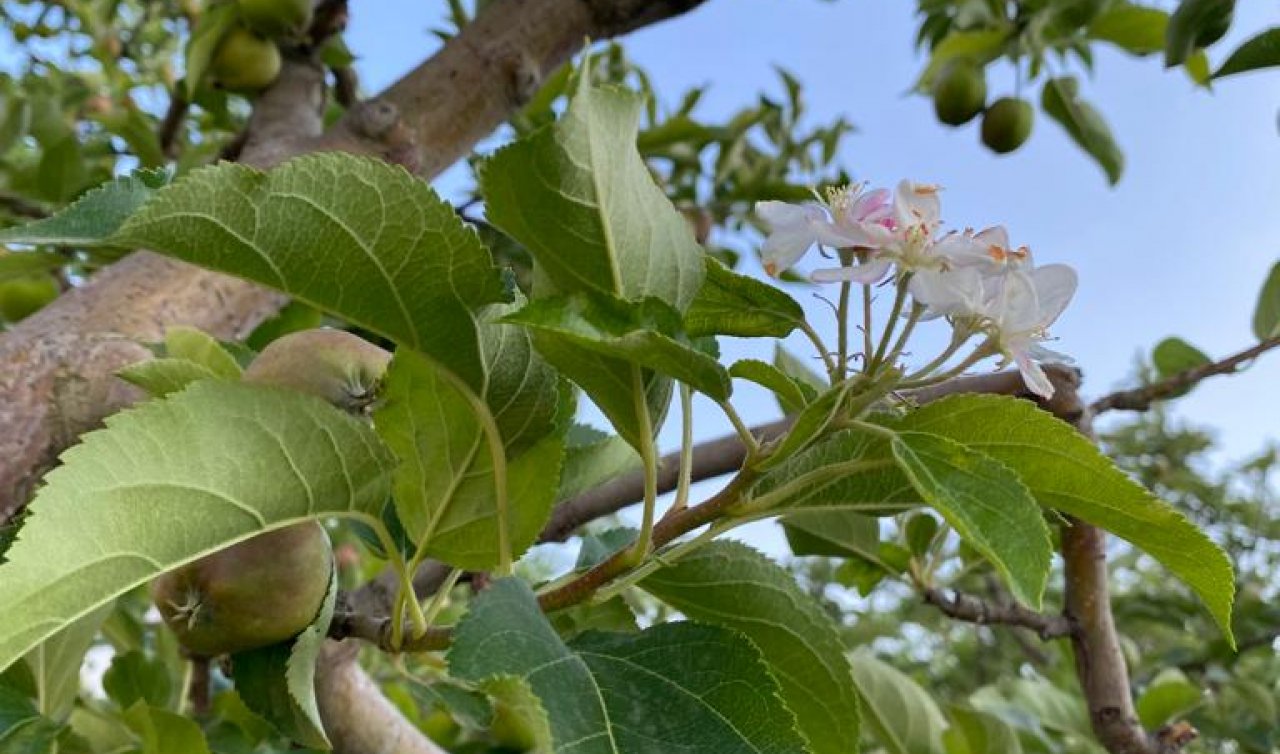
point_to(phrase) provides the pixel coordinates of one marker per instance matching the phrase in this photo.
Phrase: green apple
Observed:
(244, 62)
(259, 592)
(1007, 124)
(342, 368)
(959, 93)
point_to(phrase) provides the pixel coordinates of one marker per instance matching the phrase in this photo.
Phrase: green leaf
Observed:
(798, 370)
(15, 708)
(36, 735)
(295, 316)
(55, 664)
(1174, 355)
(356, 237)
(974, 732)
(902, 716)
(738, 305)
(847, 471)
(203, 349)
(810, 423)
(677, 686)
(1084, 124)
(597, 548)
(214, 23)
(792, 394)
(95, 217)
(445, 491)
(173, 480)
(1168, 695)
(591, 462)
(161, 377)
(645, 334)
(1193, 25)
(1261, 51)
(1136, 29)
(986, 503)
(581, 199)
(518, 713)
(1266, 315)
(468, 706)
(277, 682)
(833, 534)
(981, 47)
(1055, 709)
(164, 732)
(614, 614)
(729, 584)
(133, 677)
(1067, 473)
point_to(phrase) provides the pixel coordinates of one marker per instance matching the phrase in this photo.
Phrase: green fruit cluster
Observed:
(269, 588)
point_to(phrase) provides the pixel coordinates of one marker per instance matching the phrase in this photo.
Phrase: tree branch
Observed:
(1140, 399)
(1100, 664)
(970, 609)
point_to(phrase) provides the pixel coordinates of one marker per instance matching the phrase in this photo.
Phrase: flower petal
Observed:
(1055, 285)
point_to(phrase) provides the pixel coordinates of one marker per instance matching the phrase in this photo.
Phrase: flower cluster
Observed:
(976, 279)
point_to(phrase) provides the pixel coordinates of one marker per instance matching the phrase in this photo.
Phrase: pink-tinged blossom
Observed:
(848, 218)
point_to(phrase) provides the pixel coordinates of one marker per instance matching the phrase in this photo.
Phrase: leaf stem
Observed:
(821, 347)
(686, 449)
(649, 463)
(744, 432)
(890, 324)
(498, 456)
(441, 597)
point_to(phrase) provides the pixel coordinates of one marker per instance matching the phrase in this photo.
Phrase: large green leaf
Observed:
(731, 585)
(171, 481)
(446, 496)
(1261, 51)
(980, 46)
(733, 304)
(792, 394)
(95, 217)
(354, 236)
(902, 716)
(986, 503)
(1266, 314)
(581, 199)
(675, 687)
(1083, 123)
(646, 333)
(593, 458)
(1067, 473)
(1169, 694)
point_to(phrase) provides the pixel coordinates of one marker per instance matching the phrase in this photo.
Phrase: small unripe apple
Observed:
(342, 368)
(1007, 124)
(255, 593)
(959, 93)
(22, 297)
(276, 18)
(244, 62)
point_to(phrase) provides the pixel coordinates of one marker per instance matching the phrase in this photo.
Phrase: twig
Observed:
(346, 85)
(171, 125)
(970, 609)
(21, 207)
(1140, 399)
